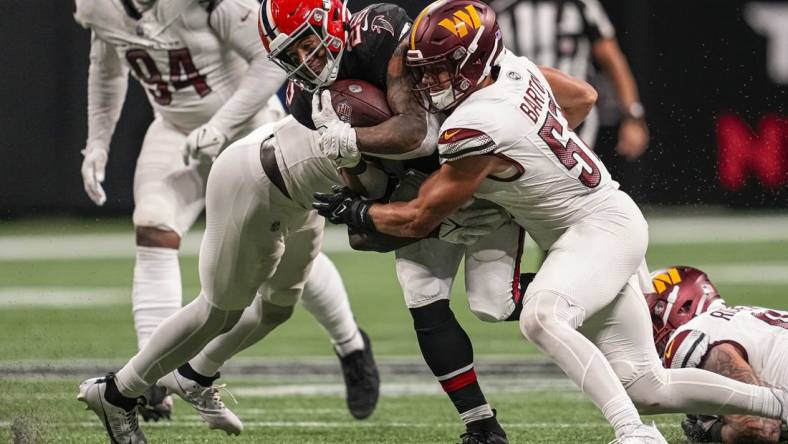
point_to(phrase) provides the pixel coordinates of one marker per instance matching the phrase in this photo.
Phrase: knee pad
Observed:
(546, 309)
(154, 211)
(492, 302)
(275, 314)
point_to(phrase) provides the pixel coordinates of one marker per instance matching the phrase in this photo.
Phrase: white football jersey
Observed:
(555, 179)
(760, 334)
(183, 65)
(305, 169)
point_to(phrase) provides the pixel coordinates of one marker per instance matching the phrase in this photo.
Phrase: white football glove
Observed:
(93, 169)
(337, 138)
(466, 226)
(204, 141)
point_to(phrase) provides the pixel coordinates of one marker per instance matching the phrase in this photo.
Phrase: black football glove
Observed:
(703, 428)
(344, 206)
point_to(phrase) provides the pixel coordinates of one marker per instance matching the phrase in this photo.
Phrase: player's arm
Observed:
(726, 360)
(443, 193)
(575, 97)
(234, 22)
(633, 132)
(633, 135)
(107, 84)
(407, 131)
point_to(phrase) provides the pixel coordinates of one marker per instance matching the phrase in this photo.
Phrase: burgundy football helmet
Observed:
(682, 293)
(282, 23)
(459, 38)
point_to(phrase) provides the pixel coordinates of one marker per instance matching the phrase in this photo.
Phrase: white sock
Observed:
(326, 299)
(156, 289)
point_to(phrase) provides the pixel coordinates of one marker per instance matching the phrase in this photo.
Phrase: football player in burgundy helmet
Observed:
(694, 328)
(509, 139)
(682, 293)
(465, 60)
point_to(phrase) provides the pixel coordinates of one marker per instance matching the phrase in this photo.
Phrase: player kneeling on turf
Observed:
(694, 328)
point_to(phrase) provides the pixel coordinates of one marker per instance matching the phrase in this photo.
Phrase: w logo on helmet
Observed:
(664, 279)
(462, 20)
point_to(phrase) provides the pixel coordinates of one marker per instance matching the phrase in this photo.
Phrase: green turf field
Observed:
(65, 312)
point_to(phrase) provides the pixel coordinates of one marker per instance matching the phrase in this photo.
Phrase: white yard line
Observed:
(663, 231)
(351, 424)
(749, 273)
(62, 297)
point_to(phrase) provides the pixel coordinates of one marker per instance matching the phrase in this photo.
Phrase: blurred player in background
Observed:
(317, 46)
(209, 81)
(509, 139)
(572, 35)
(694, 328)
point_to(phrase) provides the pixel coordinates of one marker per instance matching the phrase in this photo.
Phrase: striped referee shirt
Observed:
(557, 33)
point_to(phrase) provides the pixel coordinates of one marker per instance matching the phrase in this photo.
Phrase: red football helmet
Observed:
(282, 23)
(682, 294)
(460, 38)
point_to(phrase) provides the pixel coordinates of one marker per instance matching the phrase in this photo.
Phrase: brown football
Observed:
(358, 102)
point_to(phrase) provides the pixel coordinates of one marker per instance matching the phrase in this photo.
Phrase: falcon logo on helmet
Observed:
(283, 24)
(453, 46)
(682, 294)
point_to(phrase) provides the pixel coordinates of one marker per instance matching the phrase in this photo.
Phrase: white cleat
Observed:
(206, 400)
(121, 425)
(642, 434)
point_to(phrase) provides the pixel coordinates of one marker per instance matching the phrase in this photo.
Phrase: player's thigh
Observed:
(167, 194)
(426, 270)
(622, 332)
(239, 250)
(301, 246)
(592, 261)
(492, 273)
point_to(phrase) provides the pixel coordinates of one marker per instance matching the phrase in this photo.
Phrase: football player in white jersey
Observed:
(509, 140)
(261, 239)
(209, 81)
(693, 327)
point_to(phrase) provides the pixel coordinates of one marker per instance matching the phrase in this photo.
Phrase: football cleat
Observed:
(121, 424)
(482, 437)
(158, 404)
(642, 434)
(362, 381)
(206, 400)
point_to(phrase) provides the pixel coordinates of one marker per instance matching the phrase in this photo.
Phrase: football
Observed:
(359, 103)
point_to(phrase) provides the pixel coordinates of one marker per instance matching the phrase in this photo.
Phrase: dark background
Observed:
(693, 60)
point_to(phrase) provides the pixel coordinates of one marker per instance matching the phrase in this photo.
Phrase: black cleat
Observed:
(158, 404)
(484, 431)
(482, 437)
(362, 381)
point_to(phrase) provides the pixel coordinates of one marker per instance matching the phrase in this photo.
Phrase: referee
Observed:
(571, 35)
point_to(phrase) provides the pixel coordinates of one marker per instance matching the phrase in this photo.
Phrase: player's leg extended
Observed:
(156, 286)
(623, 333)
(492, 274)
(301, 235)
(230, 270)
(426, 273)
(583, 272)
(326, 299)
